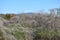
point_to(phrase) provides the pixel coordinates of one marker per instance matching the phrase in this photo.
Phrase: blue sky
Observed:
(18, 6)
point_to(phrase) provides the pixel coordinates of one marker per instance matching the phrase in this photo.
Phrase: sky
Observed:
(18, 6)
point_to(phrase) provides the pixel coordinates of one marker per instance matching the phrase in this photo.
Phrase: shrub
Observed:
(18, 35)
(7, 16)
(47, 35)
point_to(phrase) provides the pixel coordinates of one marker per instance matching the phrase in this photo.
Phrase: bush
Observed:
(18, 35)
(46, 35)
(7, 16)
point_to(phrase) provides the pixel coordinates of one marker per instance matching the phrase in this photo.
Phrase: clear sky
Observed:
(18, 6)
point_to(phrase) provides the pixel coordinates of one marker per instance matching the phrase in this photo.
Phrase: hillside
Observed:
(30, 26)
